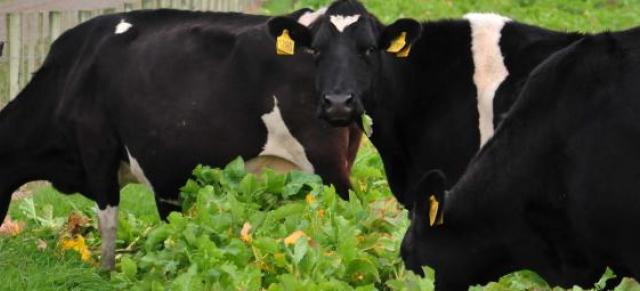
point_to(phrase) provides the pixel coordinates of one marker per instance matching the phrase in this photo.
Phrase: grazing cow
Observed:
(557, 182)
(434, 108)
(163, 91)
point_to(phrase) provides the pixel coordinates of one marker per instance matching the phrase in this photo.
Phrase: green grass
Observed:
(573, 15)
(24, 267)
(135, 199)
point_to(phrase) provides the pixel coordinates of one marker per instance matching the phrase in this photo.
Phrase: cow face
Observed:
(426, 216)
(429, 242)
(348, 45)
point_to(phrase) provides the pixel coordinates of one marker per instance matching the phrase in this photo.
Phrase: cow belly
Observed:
(257, 164)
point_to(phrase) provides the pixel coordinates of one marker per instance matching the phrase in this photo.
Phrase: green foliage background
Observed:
(346, 244)
(570, 15)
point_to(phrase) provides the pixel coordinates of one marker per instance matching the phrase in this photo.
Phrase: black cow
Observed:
(558, 182)
(164, 91)
(434, 108)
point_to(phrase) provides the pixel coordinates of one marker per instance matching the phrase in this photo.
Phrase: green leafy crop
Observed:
(274, 232)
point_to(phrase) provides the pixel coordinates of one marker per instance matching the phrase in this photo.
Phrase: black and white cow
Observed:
(434, 108)
(163, 91)
(559, 181)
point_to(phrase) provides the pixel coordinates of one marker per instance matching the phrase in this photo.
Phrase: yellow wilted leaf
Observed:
(310, 198)
(11, 227)
(77, 244)
(245, 233)
(294, 237)
(75, 222)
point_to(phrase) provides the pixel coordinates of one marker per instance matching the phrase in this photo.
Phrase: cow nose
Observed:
(338, 100)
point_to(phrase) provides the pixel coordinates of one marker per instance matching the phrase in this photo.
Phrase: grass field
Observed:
(344, 245)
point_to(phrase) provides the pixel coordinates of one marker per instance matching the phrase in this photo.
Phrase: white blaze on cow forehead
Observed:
(123, 26)
(281, 143)
(137, 171)
(341, 22)
(490, 70)
(310, 17)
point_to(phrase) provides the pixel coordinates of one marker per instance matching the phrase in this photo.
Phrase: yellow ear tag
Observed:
(405, 52)
(433, 210)
(285, 46)
(398, 44)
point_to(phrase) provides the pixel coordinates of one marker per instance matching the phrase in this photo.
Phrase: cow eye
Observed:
(314, 52)
(368, 51)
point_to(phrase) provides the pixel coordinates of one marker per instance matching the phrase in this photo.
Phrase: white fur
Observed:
(490, 70)
(137, 171)
(108, 224)
(281, 143)
(341, 22)
(123, 26)
(310, 17)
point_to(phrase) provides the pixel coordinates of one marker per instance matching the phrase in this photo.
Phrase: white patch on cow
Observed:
(137, 171)
(108, 224)
(341, 22)
(490, 70)
(281, 143)
(310, 17)
(123, 26)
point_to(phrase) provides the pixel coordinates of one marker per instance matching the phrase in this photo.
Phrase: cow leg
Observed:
(102, 182)
(108, 199)
(108, 224)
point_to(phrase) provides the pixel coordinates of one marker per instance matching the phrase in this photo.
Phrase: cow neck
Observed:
(405, 94)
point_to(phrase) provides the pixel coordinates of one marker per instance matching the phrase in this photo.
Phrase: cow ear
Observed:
(429, 204)
(288, 34)
(398, 37)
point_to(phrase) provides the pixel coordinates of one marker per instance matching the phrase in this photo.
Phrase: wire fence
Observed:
(30, 34)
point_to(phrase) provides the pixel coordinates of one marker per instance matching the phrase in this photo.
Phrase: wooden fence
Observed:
(30, 34)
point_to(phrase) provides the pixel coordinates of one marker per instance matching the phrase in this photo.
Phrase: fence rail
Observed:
(30, 34)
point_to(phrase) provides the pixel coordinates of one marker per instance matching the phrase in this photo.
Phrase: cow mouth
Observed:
(339, 118)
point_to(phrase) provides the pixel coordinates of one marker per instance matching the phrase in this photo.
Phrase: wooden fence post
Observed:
(148, 4)
(84, 15)
(43, 37)
(14, 25)
(55, 25)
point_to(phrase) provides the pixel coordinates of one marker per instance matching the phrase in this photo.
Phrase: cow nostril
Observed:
(325, 100)
(349, 100)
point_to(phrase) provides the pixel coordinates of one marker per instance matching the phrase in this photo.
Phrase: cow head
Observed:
(427, 216)
(348, 45)
(430, 242)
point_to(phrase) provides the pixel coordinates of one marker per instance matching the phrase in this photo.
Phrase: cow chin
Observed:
(339, 119)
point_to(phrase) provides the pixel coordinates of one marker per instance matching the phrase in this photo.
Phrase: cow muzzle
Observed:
(340, 109)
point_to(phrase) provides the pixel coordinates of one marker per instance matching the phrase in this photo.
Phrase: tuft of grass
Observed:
(24, 267)
(135, 199)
